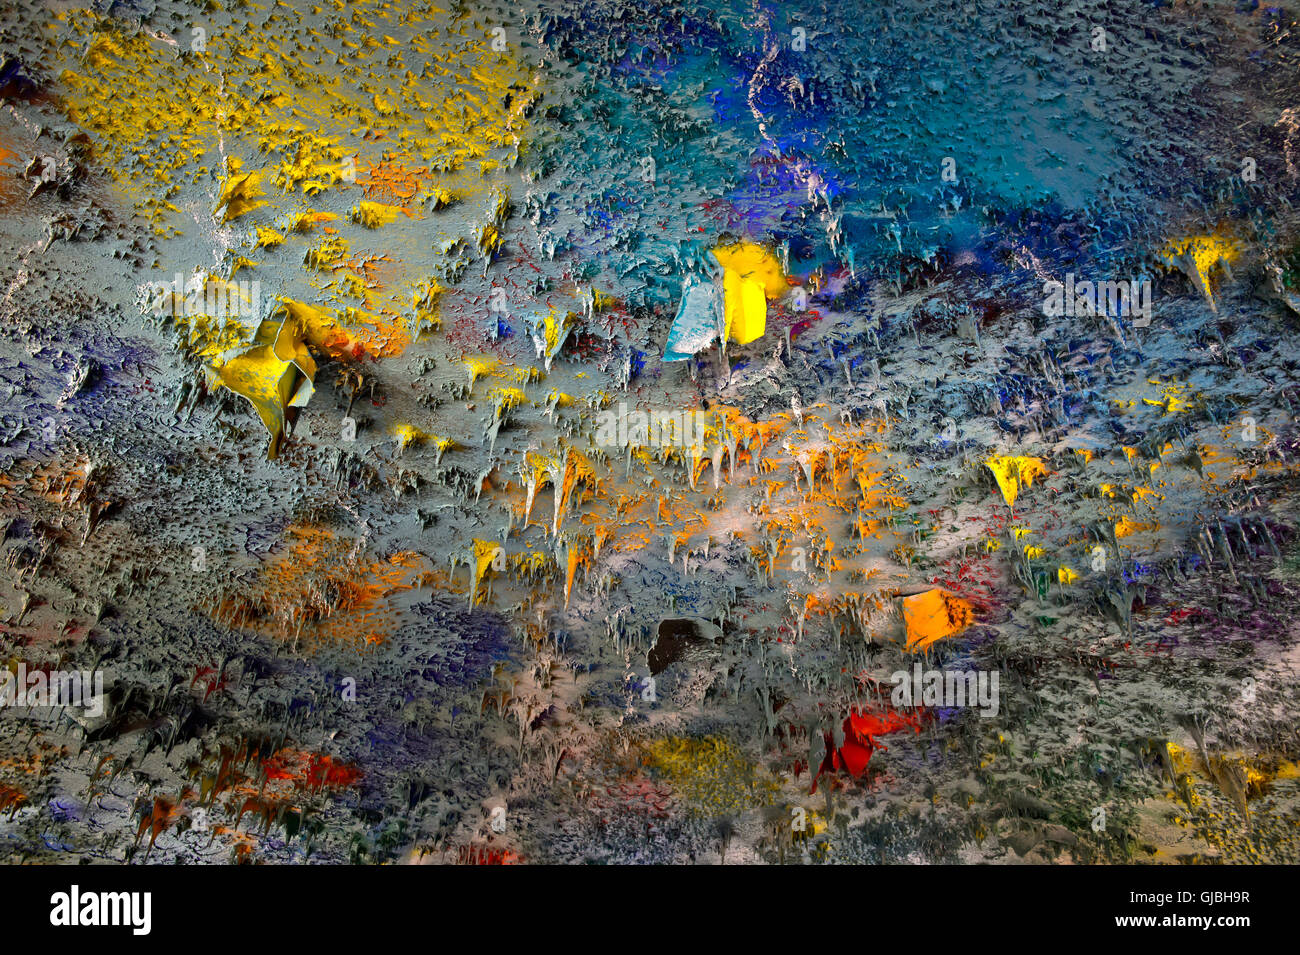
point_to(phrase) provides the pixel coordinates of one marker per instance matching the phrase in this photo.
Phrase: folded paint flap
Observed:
(698, 320)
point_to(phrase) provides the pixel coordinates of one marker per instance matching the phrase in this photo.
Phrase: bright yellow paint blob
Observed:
(746, 308)
(479, 367)
(751, 275)
(751, 261)
(269, 383)
(505, 400)
(1013, 473)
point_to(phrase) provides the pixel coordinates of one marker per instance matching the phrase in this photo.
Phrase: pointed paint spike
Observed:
(808, 462)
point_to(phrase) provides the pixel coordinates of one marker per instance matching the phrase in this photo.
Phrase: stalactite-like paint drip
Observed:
(1014, 473)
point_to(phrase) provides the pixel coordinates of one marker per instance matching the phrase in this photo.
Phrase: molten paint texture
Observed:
(542, 433)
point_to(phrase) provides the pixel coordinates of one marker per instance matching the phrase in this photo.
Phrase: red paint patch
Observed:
(860, 732)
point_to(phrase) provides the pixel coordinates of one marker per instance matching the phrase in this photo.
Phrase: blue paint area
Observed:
(463, 646)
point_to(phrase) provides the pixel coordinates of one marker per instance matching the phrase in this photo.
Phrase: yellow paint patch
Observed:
(745, 308)
(267, 238)
(754, 263)
(485, 554)
(270, 384)
(241, 193)
(751, 275)
(1199, 256)
(374, 215)
(407, 435)
(1127, 527)
(1013, 473)
(479, 367)
(711, 775)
